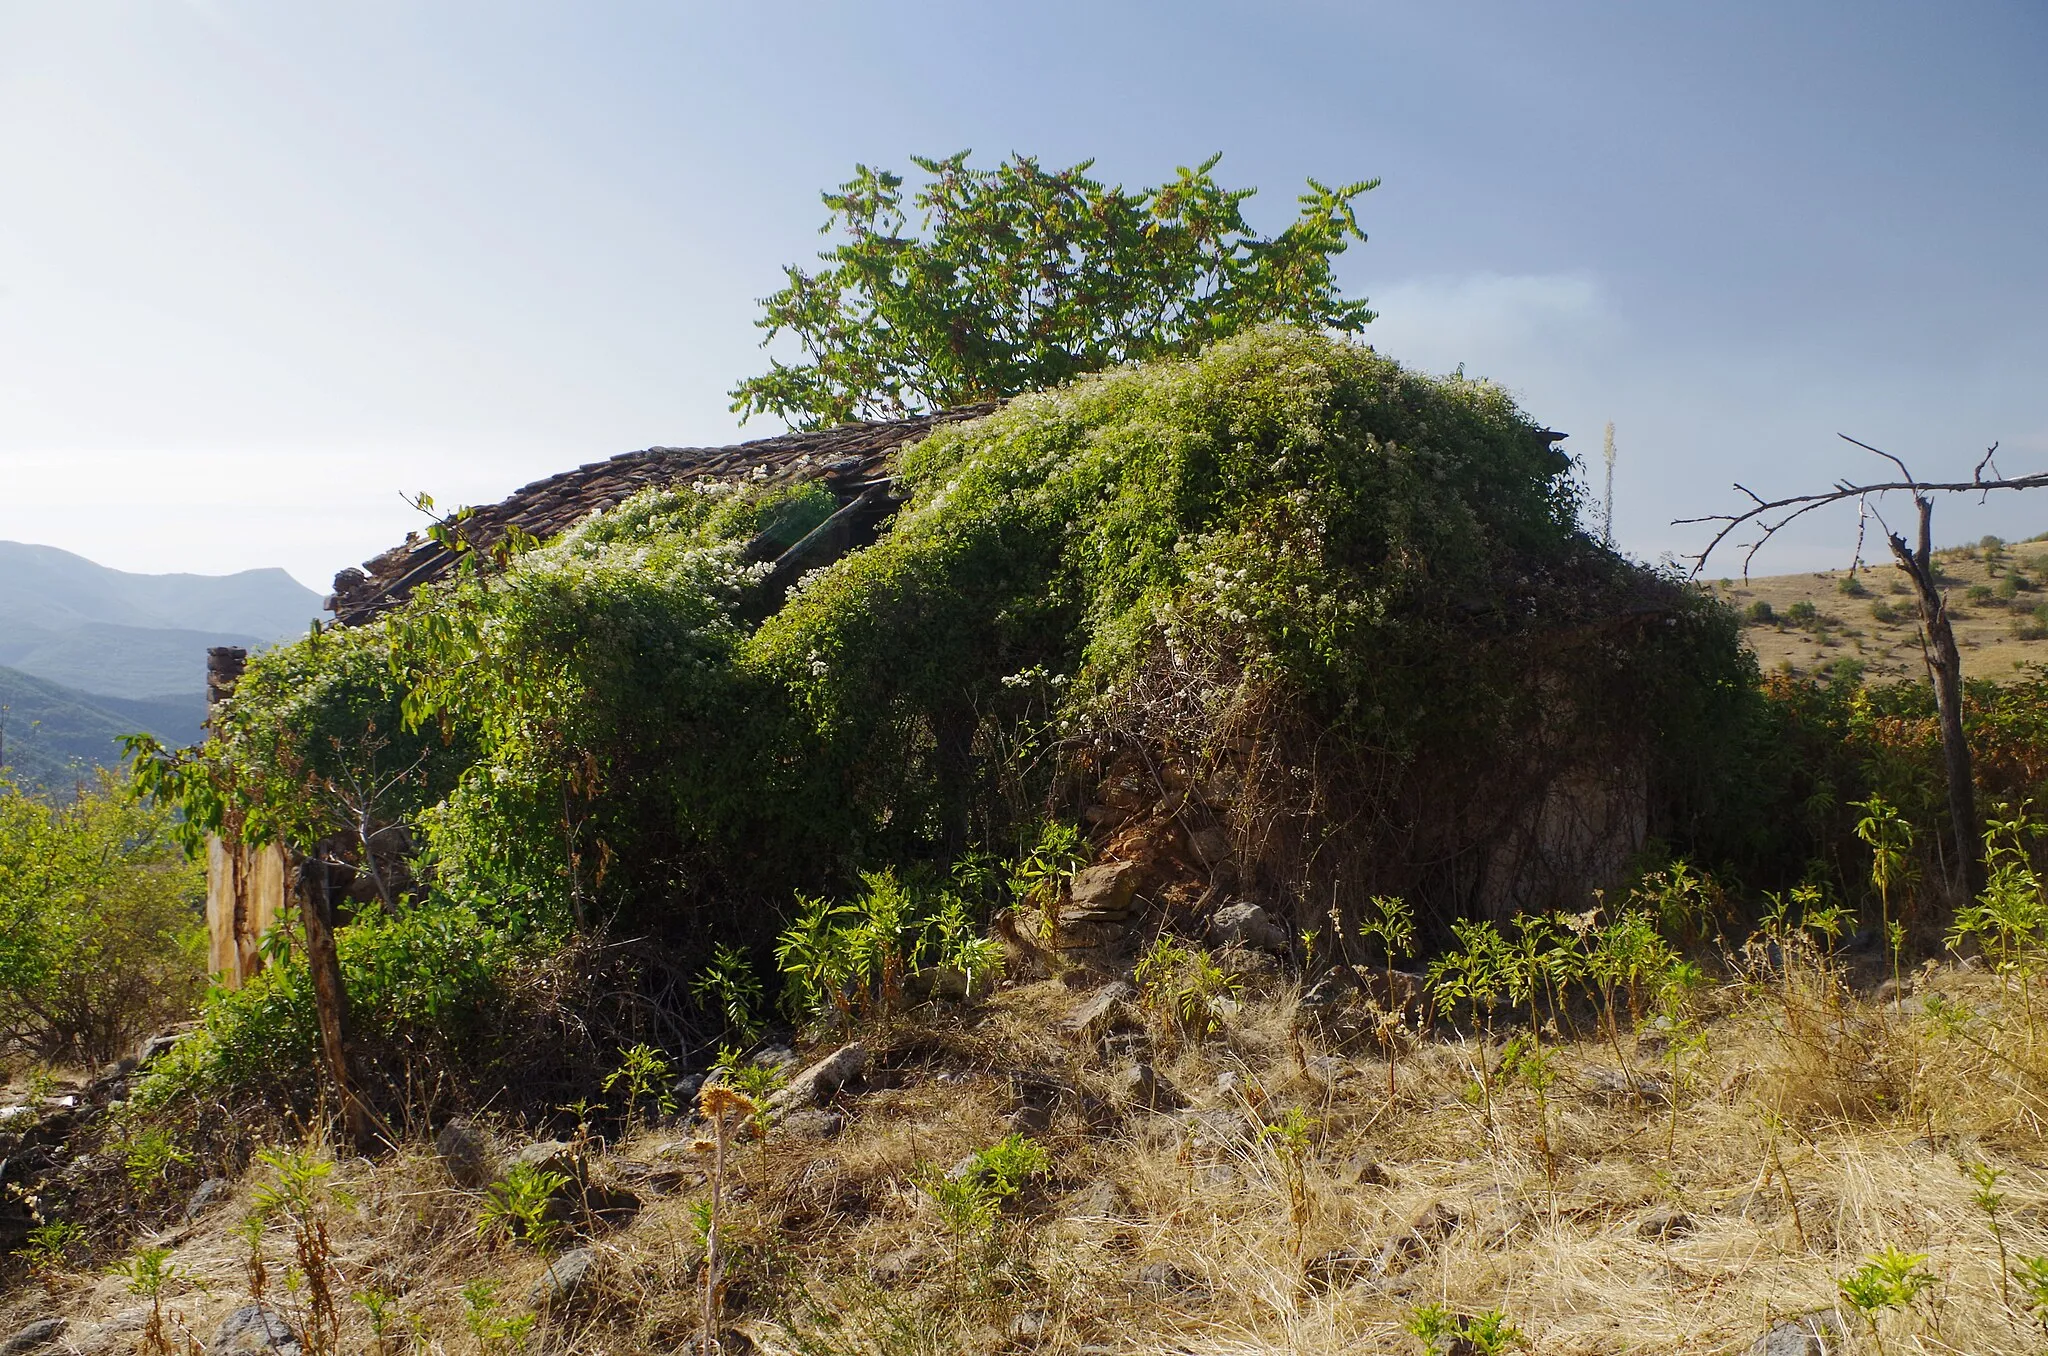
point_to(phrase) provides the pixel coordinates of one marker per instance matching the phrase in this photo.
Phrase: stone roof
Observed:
(853, 459)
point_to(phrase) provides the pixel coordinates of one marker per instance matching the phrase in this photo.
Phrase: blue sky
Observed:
(265, 267)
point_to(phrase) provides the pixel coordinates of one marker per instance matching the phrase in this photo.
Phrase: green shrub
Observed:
(1802, 613)
(101, 931)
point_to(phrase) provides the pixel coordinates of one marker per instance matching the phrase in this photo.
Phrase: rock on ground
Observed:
(818, 1083)
(1247, 925)
(465, 1153)
(253, 1330)
(1816, 1334)
(569, 1281)
(35, 1336)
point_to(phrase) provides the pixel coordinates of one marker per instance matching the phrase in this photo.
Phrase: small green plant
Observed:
(1293, 1140)
(148, 1154)
(729, 987)
(302, 1198)
(495, 1330)
(2032, 1275)
(1850, 586)
(1760, 613)
(520, 1207)
(1887, 1281)
(1986, 1196)
(1184, 985)
(150, 1273)
(377, 1309)
(1390, 921)
(1890, 838)
(1445, 1333)
(1044, 870)
(50, 1246)
(971, 1197)
(645, 1075)
(1802, 613)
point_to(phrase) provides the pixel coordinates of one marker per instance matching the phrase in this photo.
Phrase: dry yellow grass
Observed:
(1877, 626)
(1812, 1131)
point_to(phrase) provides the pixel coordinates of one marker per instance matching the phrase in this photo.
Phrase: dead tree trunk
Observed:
(1945, 667)
(330, 1000)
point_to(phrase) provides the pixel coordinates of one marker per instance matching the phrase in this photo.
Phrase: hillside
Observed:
(1809, 622)
(56, 734)
(44, 587)
(116, 661)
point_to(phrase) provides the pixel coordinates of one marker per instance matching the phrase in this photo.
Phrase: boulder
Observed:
(254, 1330)
(1102, 892)
(812, 1123)
(210, 1193)
(34, 1337)
(1813, 1334)
(1662, 1225)
(465, 1152)
(1107, 1009)
(1142, 1085)
(1247, 925)
(823, 1080)
(569, 1283)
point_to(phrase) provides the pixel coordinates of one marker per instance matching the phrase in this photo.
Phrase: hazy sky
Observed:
(263, 267)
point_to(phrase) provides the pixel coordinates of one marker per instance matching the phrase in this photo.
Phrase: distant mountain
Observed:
(51, 735)
(43, 586)
(110, 634)
(115, 661)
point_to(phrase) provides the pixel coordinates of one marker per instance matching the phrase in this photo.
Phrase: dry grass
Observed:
(1986, 629)
(1811, 1132)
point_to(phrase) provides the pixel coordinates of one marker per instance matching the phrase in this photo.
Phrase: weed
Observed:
(376, 1303)
(150, 1272)
(1185, 985)
(1988, 1198)
(148, 1154)
(301, 1197)
(1293, 1137)
(49, 1246)
(496, 1332)
(1445, 1333)
(1887, 1281)
(1890, 838)
(729, 987)
(645, 1075)
(971, 1197)
(725, 1108)
(1390, 921)
(520, 1207)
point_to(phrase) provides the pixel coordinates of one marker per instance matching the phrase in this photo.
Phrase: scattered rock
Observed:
(1338, 1268)
(1814, 1334)
(1362, 1170)
(898, 1267)
(1166, 1276)
(465, 1152)
(1419, 1239)
(568, 1284)
(1027, 1325)
(1892, 990)
(1098, 1200)
(552, 1155)
(684, 1092)
(1028, 1120)
(253, 1330)
(775, 1057)
(819, 1083)
(1119, 1046)
(1240, 962)
(1142, 1085)
(1247, 925)
(1102, 892)
(947, 982)
(1210, 846)
(34, 1337)
(156, 1047)
(210, 1193)
(1617, 1085)
(1107, 1009)
(1663, 1225)
(1034, 1098)
(811, 1123)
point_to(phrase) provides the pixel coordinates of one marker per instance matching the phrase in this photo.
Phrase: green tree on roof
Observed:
(1022, 278)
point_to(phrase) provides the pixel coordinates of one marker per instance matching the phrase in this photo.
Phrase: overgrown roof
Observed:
(850, 459)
